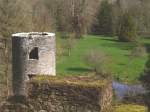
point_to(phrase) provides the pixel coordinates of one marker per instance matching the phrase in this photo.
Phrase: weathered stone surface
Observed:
(71, 95)
(15, 107)
(33, 54)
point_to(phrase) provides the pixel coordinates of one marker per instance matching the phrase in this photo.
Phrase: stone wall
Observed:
(24, 43)
(75, 95)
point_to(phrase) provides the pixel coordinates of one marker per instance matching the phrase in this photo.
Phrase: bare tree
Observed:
(69, 44)
(13, 17)
(73, 16)
(41, 17)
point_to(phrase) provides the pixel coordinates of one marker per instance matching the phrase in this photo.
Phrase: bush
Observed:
(145, 78)
(69, 44)
(60, 50)
(127, 30)
(96, 59)
(139, 51)
(65, 44)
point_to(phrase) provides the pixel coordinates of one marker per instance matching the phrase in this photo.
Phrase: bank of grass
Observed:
(122, 65)
(130, 108)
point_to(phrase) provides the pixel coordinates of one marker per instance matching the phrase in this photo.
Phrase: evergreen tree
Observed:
(104, 24)
(127, 30)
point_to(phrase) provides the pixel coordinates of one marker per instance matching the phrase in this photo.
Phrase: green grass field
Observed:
(122, 66)
(130, 108)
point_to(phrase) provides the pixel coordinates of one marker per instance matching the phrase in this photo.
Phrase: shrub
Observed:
(139, 51)
(69, 44)
(96, 59)
(145, 78)
(65, 44)
(127, 30)
(59, 51)
(65, 35)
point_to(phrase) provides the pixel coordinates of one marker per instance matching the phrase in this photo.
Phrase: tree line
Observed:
(104, 17)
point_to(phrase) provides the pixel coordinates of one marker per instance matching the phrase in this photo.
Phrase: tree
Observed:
(4, 61)
(127, 29)
(104, 24)
(82, 15)
(145, 18)
(13, 17)
(42, 20)
(73, 16)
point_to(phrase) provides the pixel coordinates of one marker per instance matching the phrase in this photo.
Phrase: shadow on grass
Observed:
(118, 44)
(122, 64)
(110, 39)
(79, 69)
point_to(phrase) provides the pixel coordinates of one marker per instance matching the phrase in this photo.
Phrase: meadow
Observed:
(123, 66)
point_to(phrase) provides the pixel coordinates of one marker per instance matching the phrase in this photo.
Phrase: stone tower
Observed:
(32, 54)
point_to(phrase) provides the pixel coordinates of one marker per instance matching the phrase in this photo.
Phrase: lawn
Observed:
(130, 108)
(121, 65)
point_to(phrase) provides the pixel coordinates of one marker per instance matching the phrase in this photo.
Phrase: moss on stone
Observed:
(130, 108)
(69, 94)
(84, 81)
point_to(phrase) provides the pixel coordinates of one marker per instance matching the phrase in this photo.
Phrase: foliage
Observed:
(104, 23)
(145, 78)
(138, 51)
(69, 44)
(96, 59)
(41, 18)
(70, 15)
(144, 18)
(133, 97)
(59, 47)
(11, 19)
(73, 16)
(139, 10)
(127, 30)
(20, 16)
